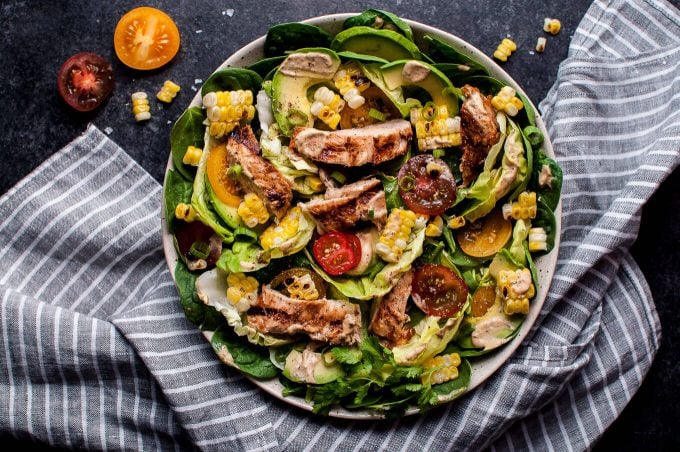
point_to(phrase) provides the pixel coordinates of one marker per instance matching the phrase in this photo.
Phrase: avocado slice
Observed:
(386, 44)
(227, 213)
(399, 74)
(296, 74)
(310, 367)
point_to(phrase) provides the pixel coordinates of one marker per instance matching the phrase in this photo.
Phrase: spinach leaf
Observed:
(392, 196)
(292, 36)
(266, 65)
(448, 391)
(186, 287)
(377, 18)
(232, 78)
(549, 194)
(177, 190)
(246, 357)
(187, 131)
(441, 52)
(346, 54)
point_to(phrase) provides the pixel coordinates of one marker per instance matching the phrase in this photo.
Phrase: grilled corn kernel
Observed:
(394, 237)
(540, 44)
(226, 109)
(538, 239)
(252, 210)
(435, 227)
(440, 369)
(327, 106)
(456, 222)
(351, 82)
(302, 288)
(522, 209)
(434, 128)
(192, 156)
(506, 100)
(140, 106)
(314, 183)
(516, 288)
(241, 291)
(505, 49)
(552, 26)
(277, 234)
(168, 92)
(185, 212)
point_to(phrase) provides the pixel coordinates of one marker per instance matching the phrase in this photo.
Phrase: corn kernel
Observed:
(394, 237)
(226, 109)
(506, 100)
(241, 291)
(252, 210)
(440, 369)
(140, 106)
(540, 44)
(523, 209)
(302, 288)
(327, 106)
(516, 288)
(439, 132)
(275, 235)
(168, 92)
(435, 228)
(505, 49)
(192, 156)
(351, 82)
(185, 212)
(456, 222)
(552, 26)
(538, 239)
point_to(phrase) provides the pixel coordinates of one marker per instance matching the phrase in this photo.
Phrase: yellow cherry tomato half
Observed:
(146, 38)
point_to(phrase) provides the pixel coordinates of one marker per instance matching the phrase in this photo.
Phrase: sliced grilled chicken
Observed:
(330, 321)
(390, 321)
(257, 174)
(373, 144)
(343, 207)
(479, 131)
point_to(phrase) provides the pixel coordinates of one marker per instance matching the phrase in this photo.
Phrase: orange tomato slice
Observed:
(486, 236)
(216, 169)
(482, 300)
(146, 38)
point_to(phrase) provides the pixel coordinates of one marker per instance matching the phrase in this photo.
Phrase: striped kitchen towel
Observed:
(96, 353)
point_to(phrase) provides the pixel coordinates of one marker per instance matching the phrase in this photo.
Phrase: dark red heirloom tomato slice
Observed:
(337, 252)
(192, 241)
(85, 80)
(427, 185)
(438, 291)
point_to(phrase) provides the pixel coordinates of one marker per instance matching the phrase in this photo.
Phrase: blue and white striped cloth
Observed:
(96, 353)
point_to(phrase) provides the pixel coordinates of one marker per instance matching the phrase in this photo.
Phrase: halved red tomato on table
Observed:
(337, 252)
(85, 80)
(438, 291)
(146, 38)
(427, 185)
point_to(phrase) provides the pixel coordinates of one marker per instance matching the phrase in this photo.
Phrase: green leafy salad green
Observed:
(356, 216)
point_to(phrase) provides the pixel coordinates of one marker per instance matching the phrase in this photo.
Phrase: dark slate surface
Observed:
(37, 36)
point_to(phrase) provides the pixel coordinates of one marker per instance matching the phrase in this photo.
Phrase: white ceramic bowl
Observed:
(482, 367)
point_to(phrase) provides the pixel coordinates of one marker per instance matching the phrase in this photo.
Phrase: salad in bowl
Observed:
(359, 214)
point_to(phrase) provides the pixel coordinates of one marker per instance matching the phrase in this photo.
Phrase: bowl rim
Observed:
(482, 367)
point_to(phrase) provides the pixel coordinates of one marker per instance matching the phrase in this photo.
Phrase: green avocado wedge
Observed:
(385, 44)
(296, 74)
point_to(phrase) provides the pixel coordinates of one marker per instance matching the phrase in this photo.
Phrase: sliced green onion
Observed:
(376, 114)
(338, 176)
(235, 170)
(371, 214)
(249, 234)
(297, 117)
(429, 111)
(407, 183)
(438, 153)
(200, 250)
(534, 135)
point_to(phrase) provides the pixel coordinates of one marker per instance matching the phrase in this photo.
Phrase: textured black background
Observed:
(38, 36)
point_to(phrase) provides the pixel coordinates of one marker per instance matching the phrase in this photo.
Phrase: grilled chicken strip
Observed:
(343, 207)
(330, 321)
(257, 174)
(374, 144)
(479, 132)
(390, 321)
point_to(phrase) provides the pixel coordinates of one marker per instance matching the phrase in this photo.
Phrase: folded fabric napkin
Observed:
(96, 352)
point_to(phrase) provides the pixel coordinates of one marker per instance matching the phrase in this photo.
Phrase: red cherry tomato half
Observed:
(427, 185)
(438, 291)
(337, 252)
(85, 80)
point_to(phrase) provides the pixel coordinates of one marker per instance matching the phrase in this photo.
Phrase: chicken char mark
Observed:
(325, 320)
(390, 321)
(372, 144)
(479, 131)
(257, 174)
(342, 208)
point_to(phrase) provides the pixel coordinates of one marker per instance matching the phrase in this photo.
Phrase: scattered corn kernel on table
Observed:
(39, 36)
